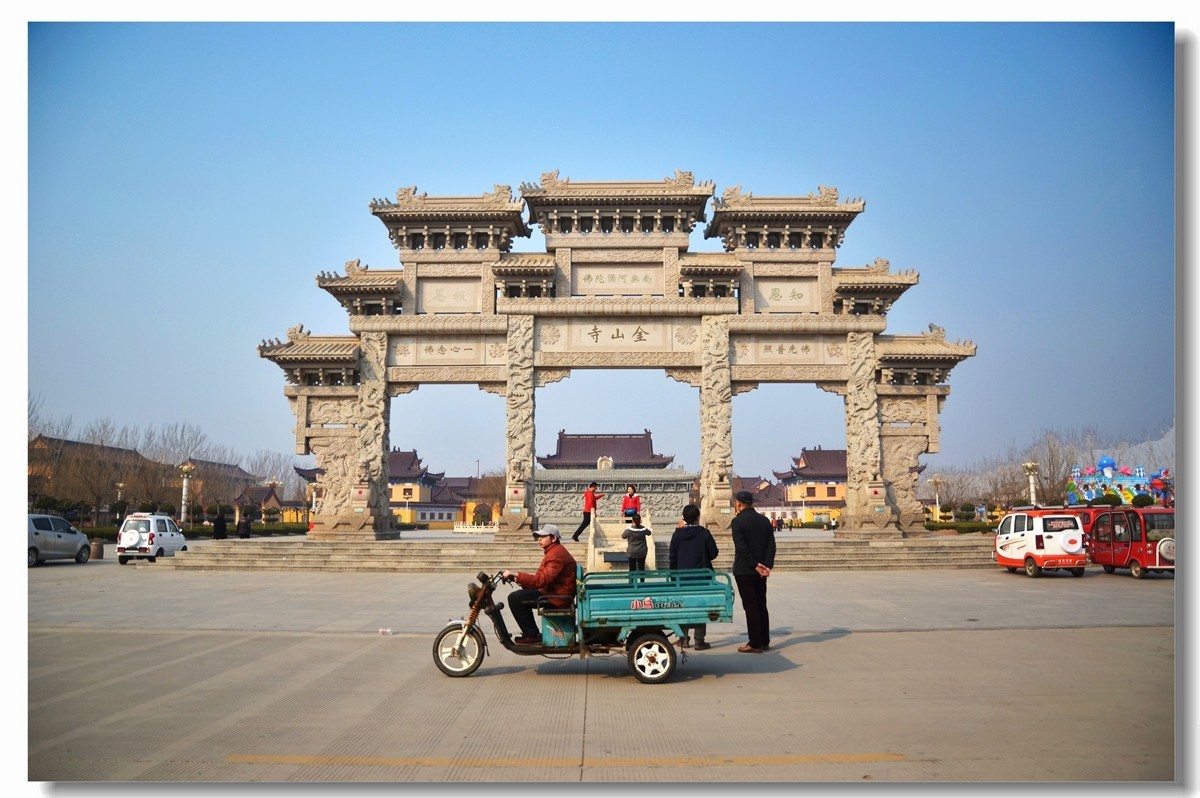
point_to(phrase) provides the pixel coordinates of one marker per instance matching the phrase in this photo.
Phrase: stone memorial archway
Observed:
(617, 288)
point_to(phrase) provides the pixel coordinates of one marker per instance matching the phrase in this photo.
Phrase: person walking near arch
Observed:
(753, 559)
(590, 497)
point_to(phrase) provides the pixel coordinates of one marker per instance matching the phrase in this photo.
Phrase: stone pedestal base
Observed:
(867, 533)
(351, 526)
(912, 524)
(517, 526)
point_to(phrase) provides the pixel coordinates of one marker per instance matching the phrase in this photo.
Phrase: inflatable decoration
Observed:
(1125, 471)
(1105, 462)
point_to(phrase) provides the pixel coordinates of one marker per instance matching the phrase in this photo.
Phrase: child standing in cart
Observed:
(637, 549)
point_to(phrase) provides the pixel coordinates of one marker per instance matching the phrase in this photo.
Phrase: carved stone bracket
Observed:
(688, 376)
(546, 376)
(498, 388)
(743, 387)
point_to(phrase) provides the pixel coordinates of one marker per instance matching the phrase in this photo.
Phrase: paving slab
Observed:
(898, 676)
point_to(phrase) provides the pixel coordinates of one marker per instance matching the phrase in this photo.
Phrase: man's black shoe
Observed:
(525, 640)
(702, 646)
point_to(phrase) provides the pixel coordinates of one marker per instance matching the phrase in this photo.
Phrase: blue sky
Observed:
(187, 182)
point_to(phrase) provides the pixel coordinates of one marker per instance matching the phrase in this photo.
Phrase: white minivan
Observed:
(149, 536)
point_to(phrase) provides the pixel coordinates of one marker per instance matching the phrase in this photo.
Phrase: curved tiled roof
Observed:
(627, 451)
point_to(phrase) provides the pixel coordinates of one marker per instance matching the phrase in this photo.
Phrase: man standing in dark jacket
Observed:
(753, 559)
(692, 546)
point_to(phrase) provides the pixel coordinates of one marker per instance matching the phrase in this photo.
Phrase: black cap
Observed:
(744, 496)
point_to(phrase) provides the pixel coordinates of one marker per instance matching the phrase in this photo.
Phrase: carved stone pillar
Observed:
(900, 453)
(517, 520)
(866, 505)
(906, 435)
(716, 424)
(355, 506)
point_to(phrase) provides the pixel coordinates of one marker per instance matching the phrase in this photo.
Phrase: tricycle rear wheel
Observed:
(652, 658)
(461, 662)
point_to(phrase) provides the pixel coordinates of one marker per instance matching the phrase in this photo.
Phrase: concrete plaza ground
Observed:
(148, 674)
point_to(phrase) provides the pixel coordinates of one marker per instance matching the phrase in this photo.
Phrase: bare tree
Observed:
(490, 491)
(93, 472)
(1055, 456)
(1001, 479)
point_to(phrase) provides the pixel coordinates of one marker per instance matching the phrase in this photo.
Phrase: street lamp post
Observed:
(186, 470)
(120, 488)
(936, 481)
(1031, 470)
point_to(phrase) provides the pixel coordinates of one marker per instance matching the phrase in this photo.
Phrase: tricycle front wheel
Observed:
(455, 660)
(652, 658)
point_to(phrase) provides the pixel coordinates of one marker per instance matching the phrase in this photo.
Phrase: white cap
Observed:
(549, 530)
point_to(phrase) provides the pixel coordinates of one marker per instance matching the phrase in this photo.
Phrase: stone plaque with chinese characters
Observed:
(789, 350)
(617, 334)
(623, 279)
(448, 295)
(786, 295)
(446, 350)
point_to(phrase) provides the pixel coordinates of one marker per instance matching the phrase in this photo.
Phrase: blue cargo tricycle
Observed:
(630, 612)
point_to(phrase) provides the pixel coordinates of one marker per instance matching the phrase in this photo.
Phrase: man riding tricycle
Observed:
(606, 612)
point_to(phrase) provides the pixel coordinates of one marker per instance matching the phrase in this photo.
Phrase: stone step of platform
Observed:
(419, 556)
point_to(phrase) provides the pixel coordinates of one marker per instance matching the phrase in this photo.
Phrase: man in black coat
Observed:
(692, 546)
(753, 559)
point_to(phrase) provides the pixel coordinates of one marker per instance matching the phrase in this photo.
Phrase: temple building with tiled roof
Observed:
(816, 484)
(815, 465)
(586, 451)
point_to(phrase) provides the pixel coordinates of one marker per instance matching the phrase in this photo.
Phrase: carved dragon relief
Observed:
(903, 411)
(373, 422)
(716, 406)
(546, 376)
(862, 422)
(330, 411)
(900, 459)
(520, 405)
(688, 376)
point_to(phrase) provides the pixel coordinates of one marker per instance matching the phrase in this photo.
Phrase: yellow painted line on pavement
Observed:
(433, 761)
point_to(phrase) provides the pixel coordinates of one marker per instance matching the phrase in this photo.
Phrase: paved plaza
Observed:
(150, 674)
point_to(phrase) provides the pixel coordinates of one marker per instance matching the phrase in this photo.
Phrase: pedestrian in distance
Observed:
(631, 502)
(220, 527)
(590, 497)
(753, 559)
(637, 549)
(693, 547)
(243, 527)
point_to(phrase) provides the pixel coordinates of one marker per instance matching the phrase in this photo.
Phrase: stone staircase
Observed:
(417, 556)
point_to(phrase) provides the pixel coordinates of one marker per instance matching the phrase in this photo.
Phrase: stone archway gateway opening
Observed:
(617, 288)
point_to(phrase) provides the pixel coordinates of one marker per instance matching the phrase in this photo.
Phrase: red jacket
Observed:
(554, 577)
(589, 500)
(633, 502)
